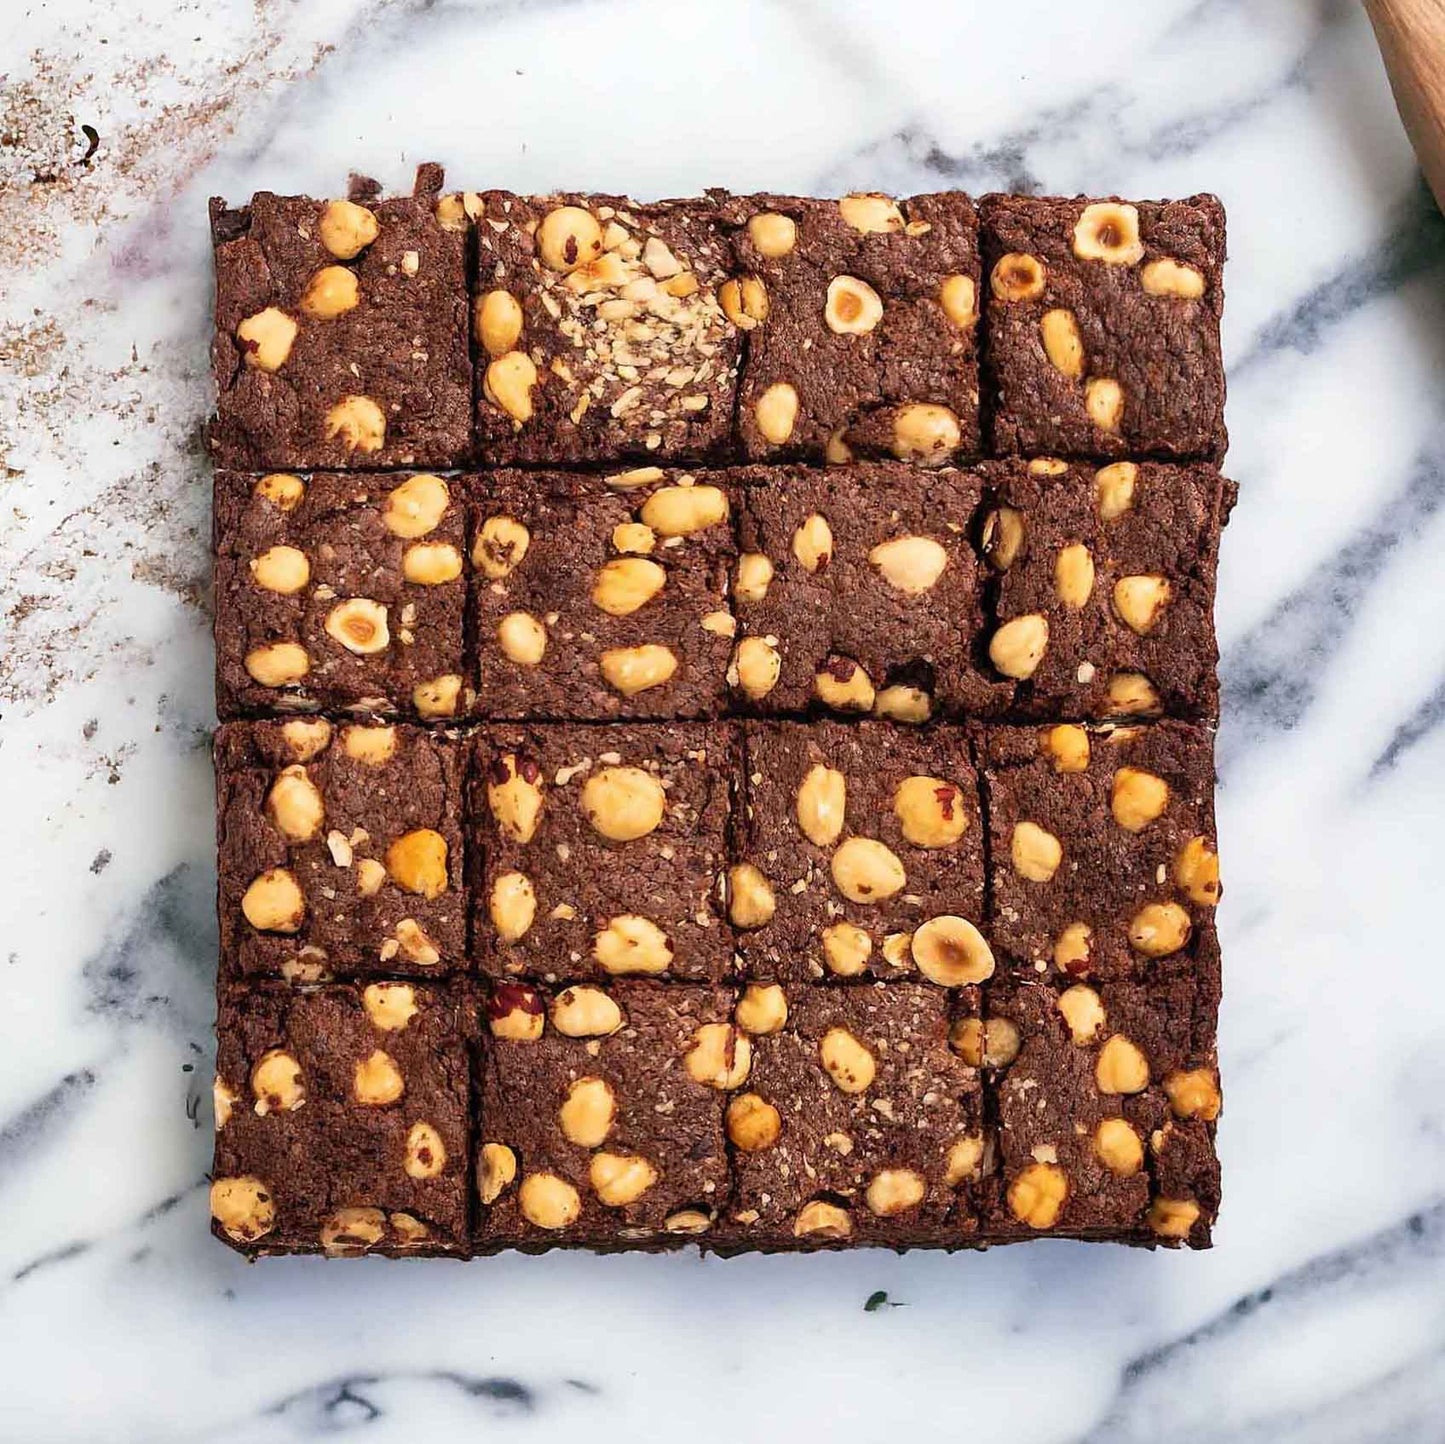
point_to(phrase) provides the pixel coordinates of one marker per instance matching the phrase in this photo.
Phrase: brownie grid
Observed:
(561, 734)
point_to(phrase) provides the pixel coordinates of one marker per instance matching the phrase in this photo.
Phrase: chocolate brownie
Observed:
(340, 850)
(1105, 605)
(600, 329)
(597, 598)
(861, 316)
(341, 1121)
(1103, 847)
(599, 851)
(341, 333)
(860, 590)
(1106, 1110)
(1102, 322)
(860, 853)
(340, 591)
(600, 1113)
(857, 1122)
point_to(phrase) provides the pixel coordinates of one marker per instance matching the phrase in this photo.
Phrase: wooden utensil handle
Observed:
(1411, 34)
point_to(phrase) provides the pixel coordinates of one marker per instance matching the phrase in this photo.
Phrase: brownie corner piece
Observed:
(1102, 319)
(862, 316)
(341, 1121)
(605, 328)
(341, 333)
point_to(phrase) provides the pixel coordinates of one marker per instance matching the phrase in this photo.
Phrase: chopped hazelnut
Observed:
(630, 944)
(753, 1123)
(925, 433)
(721, 1056)
(821, 1219)
(416, 506)
(1018, 646)
(266, 339)
(892, 1191)
(512, 905)
(951, 952)
(426, 1154)
(847, 1062)
(515, 1012)
(583, 1011)
(377, 1080)
(623, 803)
(630, 670)
(1121, 1067)
(762, 1009)
(619, 1179)
(294, 805)
(282, 664)
(685, 510)
(820, 805)
(346, 229)
(588, 1112)
(417, 861)
(751, 901)
(514, 795)
(358, 423)
(390, 1006)
(548, 1201)
(274, 902)
(846, 949)
(866, 871)
(1037, 1196)
(244, 1207)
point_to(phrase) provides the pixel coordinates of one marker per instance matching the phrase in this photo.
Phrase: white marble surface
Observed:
(1319, 1316)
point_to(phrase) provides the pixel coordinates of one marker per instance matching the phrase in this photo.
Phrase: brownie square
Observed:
(341, 334)
(598, 598)
(1105, 1111)
(340, 850)
(860, 854)
(600, 329)
(599, 852)
(341, 1121)
(600, 1114)
(857, 1123)
(860, 590)
(1102, 320)
(1103, 848)
(862, 315)
(1105, 604)
(340, 592)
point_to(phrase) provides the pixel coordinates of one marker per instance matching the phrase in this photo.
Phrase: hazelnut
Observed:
(416, 946)
(930, 811)
(1108, 231)
(623, 803)
(1131, 694)
(374, 746)
(416, 506)
(909, 564)
(508, 384)
(821, 802)
(512, 905)
(744, 300)
(844, 686)
(1172, 278)
(522, 638)
(846, 949)
(753, 1123)
(754, 576)
(688, 1221)
(638, 476)
(568, 237)
(417, 862)
(410, 1231)
(1118, 1147)
(1121, 1067)
(1196, 870)
(330, 293)
(370, 875)
(266, 339)
(847, 1061)
(1047, 466)
(1159, 929)
(282, 490)
(1193, 1093)
(244, 1207)
(871, 213)
(515, 1012)
(358, 423)
(1073, 948)
(438, 697)
(390, 1006)
(1017, 277)
(925, 433)
(959, 298)
(773, 235)
(1083, 1011)
(425, 1154)
(1074, 575)
(431, 564)
(951, 952)
(762, 1009)
(351, 1231)
(359, 625)
(1173, 1217)
(903, 703)
(346, 229)
(548, 1201)
(514, 795)
(1062, 343)
(588, 1112)
(892, 1191)
(1037, 1196)
(585, 1012)
(721, 1056)
(626, 584)
(630, 670)
(276, 1083)
(632, 538)
(751, 903)
(991, 1043)
(294, 805)
(619, 1179)
(280, 665)
(685, 510)
(1068, 746)
(963, 1161)
(274, 902)
(821, 1219)
(1114, 489)
(496, 1170)
(865, 871)
(631, 944)
(836, 451)
(281, 569)
(776, 412)
(1004, 533)
(500, 546)
(1138, 798)
(1018, 646)
(223, 1101)
(1104, 401)
(720, 624)
(756, 667)
(1036, 852)
(497, 322)
(377, 1080)
(1139, 601)
(853, 307)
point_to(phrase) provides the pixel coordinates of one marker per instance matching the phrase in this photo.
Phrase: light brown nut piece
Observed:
(1137, 798)
(1063, 345)
(632, 538)
(274, 902)
(431, 564)
(377, 1080)
(620, 1178)
(871, 213)
(1165, 277)
(1035, 852)
(1037, 1196)
(1140, 600)
(438, 697)
(1083, 1011)
(909, 564)
(294, 805)
(522, 638)
(1114, 489)
(844, 686)
(813, 543)
(847, 1061)
(853, 307)
(1131, 694)
(1121, 1067)
(867, 871)
(1104, 402)
(1068, 746)
(508, 384)
(281, 664)
(1073, 948)
(307, 737)
(623, 803)
(358, 423)
(753, 1123)
(1159, 929)
(721, 1056)
(415, 945)
(1004, 534)
(1047, 466)
(751, 901)
(417, 862)
(892, 1191)
(963, 1161)
(925, 433)
(583, 1011)
(630, 944)
(688, 1221)
(568, 237)
(588, 1112)
(425, 1154)
(951, 952)
(500, 546)
(346, 229)
(1196, 870)
(281, 569)
(370, 876)
(512, 905)
(772, 234)
(1074, 575)
(1017, 277)
(282, 490)
(548, 1201)
(516, 1012)
(821, 1219)
(330, 293)
(276, 1083)
(497, 322)
(685, 510)
(410, 1231)
(630, 670)
(820, 804)
(1108, 231)
(390, 1006)
(244, 1207)
(836, 451)
(959, 298)
(638, 476)
(1018, 646)
(756, 667)
(762, 1009)
(374, 746)
(626, 585)
(901, 702)
(223, 1101)
(351, 1231)
(496, 1171)
(416, 506)
(1193, 1093)
(744, 300)
(360, 625)
(846, 949)
(1173, 1217)
(266, 339)
(776, 412)
(1118, 1147)
(754, 576)
(514, 795)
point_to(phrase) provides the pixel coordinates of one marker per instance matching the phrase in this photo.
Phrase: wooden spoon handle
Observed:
(1411, 35)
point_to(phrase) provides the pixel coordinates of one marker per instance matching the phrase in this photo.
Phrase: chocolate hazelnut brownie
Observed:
(600, 851)
(341, 1121)
(859, 853)
(340, 850)
(340, 591)
(597, 598)
(600, 329)
(861, 316)
(1102, 322)
(341, 332)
